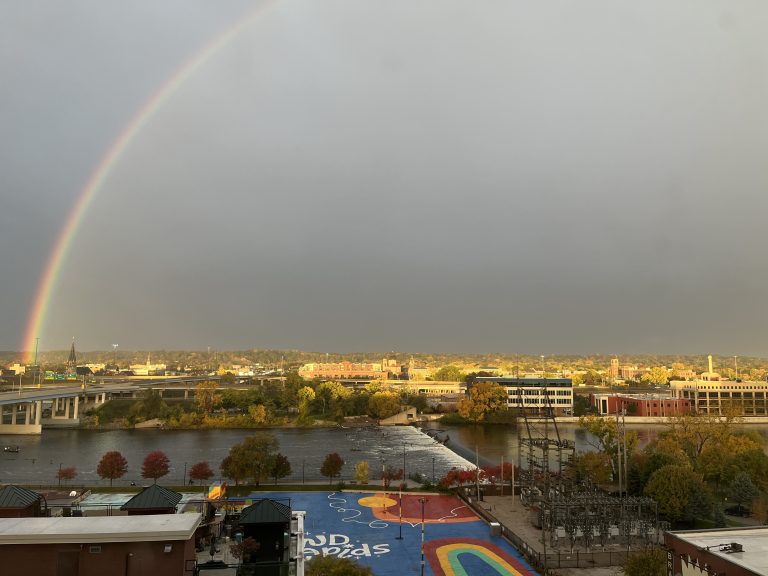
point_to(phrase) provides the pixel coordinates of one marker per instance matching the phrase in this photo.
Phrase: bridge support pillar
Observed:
(11, 425)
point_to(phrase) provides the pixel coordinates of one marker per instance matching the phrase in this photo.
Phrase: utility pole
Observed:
(477, 473)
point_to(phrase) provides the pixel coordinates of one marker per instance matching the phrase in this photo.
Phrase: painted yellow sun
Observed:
(377, 502)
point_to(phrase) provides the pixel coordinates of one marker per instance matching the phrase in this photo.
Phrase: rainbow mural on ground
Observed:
(39, 308)
(471, 557)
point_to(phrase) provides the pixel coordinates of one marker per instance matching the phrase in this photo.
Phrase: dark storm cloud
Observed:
(423, 176)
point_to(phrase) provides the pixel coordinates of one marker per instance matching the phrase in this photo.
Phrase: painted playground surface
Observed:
(367, 527)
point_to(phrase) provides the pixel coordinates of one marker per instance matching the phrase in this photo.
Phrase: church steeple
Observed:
(72, 361)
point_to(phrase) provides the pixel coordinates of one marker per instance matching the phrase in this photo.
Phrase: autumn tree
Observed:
(156, 465)
(390, 473)
(605, 437)
(383, 404)
(206, 395)
(112, 465)
(362, 472)
(66, 474)
(251, 458)
(242, 550)
(281, 467)
(201, 471)
(305, 397)
(657, 376)
(258, 413)
(694, 432)
(332, 466)
(483, 399)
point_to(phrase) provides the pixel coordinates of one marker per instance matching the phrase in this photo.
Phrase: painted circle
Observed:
(376, 502)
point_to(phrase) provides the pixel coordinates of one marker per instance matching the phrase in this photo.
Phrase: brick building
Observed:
(640, 404)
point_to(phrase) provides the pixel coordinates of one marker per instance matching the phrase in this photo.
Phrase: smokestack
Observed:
(710, 363)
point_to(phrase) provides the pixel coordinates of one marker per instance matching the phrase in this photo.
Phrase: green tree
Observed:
(332, 466)
(679, 492)
(281, 467)
(252, 458)
(449, 374)
(742, 490)
(483, 399)
(334, 566)
(383, 405)
(592, 467)
(648, 562)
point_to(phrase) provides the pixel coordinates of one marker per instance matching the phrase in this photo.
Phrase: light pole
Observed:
(433, 469)
(736, 366)
(422, 500)
(114, 357)
(184, 480)
(404, 474)
(302, 471)
(542, 365)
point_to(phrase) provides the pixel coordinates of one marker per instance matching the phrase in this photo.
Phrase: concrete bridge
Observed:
(29, 410)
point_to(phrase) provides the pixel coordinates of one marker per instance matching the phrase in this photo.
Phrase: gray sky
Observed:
(429, 175)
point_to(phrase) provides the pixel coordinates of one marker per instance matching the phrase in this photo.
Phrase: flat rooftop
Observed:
(753, 540)
(153, 527)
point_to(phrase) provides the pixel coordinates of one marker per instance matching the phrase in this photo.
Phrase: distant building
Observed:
(640, 404)
(536, 394)
(710, 396)
(710, 375)
(613, 371)
(349, 370)
(148, 369)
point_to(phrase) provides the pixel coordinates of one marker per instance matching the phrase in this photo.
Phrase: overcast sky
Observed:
(410, 175)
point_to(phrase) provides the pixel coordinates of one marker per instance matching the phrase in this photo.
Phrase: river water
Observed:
(39, 457)
(495, 441)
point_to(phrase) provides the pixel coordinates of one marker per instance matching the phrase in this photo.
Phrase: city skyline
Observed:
(442, 177)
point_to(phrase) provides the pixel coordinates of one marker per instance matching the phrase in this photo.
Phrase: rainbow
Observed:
(45, 288)
(450, 557)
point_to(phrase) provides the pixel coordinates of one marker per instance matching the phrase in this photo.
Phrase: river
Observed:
(39, 457)
(495, 441)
